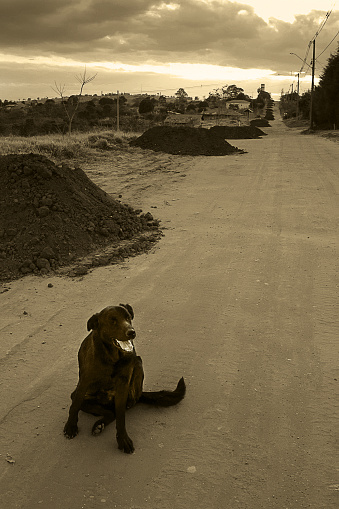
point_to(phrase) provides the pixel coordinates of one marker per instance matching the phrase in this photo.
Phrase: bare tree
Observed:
(72, 105)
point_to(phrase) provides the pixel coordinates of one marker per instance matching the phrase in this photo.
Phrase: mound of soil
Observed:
(184, 140)
(52, 216)
(260, 122)
(242, 132)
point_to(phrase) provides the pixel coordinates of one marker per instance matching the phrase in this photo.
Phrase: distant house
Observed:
(174, 118)
(241, 104)
(16, 106)
(232, 113)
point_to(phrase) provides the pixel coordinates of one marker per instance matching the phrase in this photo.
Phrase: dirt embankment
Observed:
(260, 122)
(185, 141)
(53, 215)
(241, 132)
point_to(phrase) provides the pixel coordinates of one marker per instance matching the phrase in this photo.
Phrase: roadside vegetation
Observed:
(326, 96)
(128, 113)
(325, 100)
(78, 146)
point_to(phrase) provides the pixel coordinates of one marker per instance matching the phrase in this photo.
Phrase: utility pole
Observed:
(322, 24)
(118, 110)
(312, 88)
(297, 112)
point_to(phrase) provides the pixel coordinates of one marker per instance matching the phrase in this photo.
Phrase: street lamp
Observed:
(302, 59)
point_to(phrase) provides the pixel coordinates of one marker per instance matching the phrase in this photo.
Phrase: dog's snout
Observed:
(131, 333)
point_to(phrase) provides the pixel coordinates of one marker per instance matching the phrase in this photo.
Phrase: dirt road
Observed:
(240, 297)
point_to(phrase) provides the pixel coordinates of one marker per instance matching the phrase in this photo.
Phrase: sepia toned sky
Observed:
(158, 46)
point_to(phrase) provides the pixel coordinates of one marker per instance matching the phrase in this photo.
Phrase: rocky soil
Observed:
(242, 132)
(260, 122)
(53, 216)
(185, 141)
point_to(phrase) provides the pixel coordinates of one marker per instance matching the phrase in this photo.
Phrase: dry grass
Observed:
(296, 123)
(56, 146)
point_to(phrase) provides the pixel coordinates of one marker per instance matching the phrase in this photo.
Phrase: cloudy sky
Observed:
(158, 46)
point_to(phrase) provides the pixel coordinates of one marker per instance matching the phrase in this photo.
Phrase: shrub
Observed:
(146, 106)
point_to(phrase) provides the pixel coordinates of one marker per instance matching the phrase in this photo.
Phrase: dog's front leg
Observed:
(124, 441)
(71, 426)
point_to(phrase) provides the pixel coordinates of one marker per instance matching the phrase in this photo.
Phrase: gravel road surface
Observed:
(240, 297)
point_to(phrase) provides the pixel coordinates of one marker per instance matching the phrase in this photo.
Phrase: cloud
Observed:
(158, 32)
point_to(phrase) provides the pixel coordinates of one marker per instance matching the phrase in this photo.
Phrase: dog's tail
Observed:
(165, 398)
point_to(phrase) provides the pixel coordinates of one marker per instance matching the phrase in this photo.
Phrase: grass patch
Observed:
(294, 122)
(57, 146)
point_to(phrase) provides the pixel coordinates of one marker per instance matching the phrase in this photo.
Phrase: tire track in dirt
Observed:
(239, 297)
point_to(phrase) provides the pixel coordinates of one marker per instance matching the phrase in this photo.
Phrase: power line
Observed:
(321, 26)
(307, 51)
(171, 89)
(308, 67)
(329, 44)
(321, 63)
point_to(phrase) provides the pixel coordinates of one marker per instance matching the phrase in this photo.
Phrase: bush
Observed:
(146, 106)
(191, 107)
(269, 114)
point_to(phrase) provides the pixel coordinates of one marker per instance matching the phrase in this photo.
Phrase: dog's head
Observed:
(114, 326)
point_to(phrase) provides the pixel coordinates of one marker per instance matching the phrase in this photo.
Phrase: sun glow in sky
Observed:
(153, 45)
(188, 71)
(286, 10)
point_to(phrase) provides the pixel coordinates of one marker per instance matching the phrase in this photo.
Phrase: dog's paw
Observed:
(125, 444)
(98, 427)
(70, 430)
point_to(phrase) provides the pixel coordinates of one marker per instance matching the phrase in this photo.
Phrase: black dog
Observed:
(111, 375)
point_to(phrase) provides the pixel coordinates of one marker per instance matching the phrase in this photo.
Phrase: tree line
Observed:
(326, 95)
(83, 113)
(325, 98)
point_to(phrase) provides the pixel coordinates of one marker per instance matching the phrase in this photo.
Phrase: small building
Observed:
(236, 104)
(17, 106)
(174, 118)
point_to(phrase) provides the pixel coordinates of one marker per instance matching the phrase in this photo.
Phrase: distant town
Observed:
(130, 112)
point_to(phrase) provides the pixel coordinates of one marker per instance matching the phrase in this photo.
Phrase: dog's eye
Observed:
(114, 321)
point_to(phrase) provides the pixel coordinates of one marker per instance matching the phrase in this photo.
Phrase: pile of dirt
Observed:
(52, 216)
(184, 140)
(260, 122)
(241, 132)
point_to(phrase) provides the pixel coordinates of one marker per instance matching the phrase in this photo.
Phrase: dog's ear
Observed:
(93, 322)
(129, 309)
